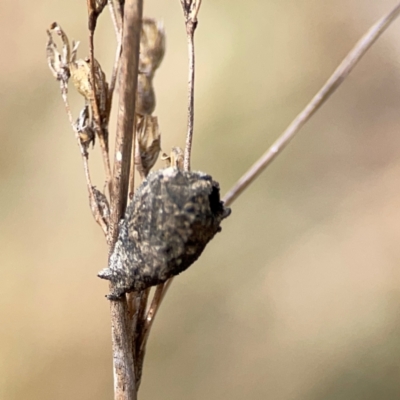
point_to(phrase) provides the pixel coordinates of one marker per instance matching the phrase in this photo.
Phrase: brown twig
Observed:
(124, 371)
(144, 330)
(140, 299)
(93, 14)
(116, 17)
(85, 160)
(126, 112)
(190, 10)
(323, 94)
(117, 22)
(114, 73)
(159, 294)
(131, 190)
(147, 323)
(59, 64)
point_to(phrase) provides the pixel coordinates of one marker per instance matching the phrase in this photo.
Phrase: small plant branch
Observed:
(155, 303)
(59, 65)
(144, 329)
(117, 22)
(94, 205)
(126, 111)
(95, 8)
(114, 73)
(116, 17)
(144, 325)
(139, 300)
(131, 191)
(340, 74)
(190, 10)
(124, 370)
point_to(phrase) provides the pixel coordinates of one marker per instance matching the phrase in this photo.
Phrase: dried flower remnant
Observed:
(59, 63)
(81, 77)
(175, 158)
(80, 74)
(152, 46)
(172, 217)
(145, 96)
(84, 127)
(149, 143)
(65, 65)
(152, 49)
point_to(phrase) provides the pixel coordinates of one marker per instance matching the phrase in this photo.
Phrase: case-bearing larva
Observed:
(172, 217)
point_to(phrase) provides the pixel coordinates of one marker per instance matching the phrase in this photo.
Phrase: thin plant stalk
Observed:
(190, 10)
(336, 79)
(121, 332)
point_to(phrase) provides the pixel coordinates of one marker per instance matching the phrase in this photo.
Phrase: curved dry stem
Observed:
(326, 91)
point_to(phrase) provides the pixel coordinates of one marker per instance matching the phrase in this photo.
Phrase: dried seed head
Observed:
(152, 46)
(84, 127)
(145, 96)
(175, 158)
(59, 62)
(172, 217)
(149, 143)
(80, 74)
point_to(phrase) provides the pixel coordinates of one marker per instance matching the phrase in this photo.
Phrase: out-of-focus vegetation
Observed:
(298, 297)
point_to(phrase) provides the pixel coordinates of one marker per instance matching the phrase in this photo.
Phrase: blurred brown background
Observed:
(298, 297)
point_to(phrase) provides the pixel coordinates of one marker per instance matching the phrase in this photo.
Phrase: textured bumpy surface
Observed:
(171, 218)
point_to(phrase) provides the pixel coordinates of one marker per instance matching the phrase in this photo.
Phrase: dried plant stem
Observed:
(85, 160)
(144, 330)
(116, 17)
(190, 10)
(93, 15)
(155, 305)
(117, 22)
(141, 312)
(324, 93)
(158, 297)
(124, 370)
(125, 142)
(138, 322)
(124, 374)
(189, 135)
(114, 73)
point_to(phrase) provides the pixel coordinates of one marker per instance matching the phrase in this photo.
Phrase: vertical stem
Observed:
(124, 371)
(190, 28)
(103, 140)
(126, 111)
